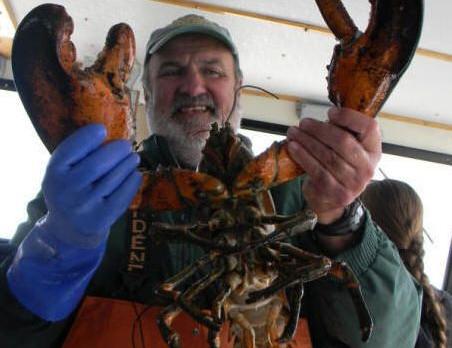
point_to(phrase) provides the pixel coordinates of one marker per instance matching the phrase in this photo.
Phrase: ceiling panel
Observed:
(436, 20)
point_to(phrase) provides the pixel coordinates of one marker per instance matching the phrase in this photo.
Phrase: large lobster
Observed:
(261, 275)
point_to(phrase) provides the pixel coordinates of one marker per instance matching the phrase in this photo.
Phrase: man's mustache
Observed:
(183, 100)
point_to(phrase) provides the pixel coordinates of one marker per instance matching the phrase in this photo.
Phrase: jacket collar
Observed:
(157, 152)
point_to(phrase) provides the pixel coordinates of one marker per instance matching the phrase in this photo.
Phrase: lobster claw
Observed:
(58, 96)
(176, 189)
(365, 67)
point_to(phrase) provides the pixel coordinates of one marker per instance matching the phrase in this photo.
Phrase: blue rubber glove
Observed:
(87, 186)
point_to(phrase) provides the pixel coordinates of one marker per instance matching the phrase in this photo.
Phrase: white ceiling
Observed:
(284, 59)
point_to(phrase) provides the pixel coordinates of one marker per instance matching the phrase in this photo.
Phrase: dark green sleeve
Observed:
(18, 326)
(391, 294)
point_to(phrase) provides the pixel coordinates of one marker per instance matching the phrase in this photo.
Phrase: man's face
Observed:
(192, 82)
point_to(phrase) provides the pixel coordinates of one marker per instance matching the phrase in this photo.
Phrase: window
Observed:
(24, 158)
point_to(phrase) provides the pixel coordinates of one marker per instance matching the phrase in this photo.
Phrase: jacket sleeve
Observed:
(18, 326)
(392, 296)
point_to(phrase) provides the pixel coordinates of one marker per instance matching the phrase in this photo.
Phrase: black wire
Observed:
(138, 320)
(243, 87)
(140, 327)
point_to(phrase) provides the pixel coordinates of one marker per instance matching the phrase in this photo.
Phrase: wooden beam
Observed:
(247, 14)
(385, 115)
(9, 12)
(416, 121)
(6, 46)
(282, 21)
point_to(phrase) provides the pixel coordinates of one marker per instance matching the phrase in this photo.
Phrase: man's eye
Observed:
(213, 73)
(169, 72)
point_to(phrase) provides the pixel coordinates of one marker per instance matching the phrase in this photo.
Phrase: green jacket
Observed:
(391, 294)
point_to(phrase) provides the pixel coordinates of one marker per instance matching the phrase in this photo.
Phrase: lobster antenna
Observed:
(247, 86)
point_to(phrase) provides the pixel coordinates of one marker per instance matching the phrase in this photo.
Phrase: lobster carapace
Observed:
(250, 259)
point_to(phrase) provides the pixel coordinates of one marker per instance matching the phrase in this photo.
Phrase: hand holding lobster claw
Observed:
(340, 156)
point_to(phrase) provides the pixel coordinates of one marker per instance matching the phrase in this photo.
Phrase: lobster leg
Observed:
(218, 303)
(164, 321)
(249, 335)
(182, 232)
(342, 271)
(296, 294)
(277, 285)
(167, 288)
(185, 300)
(289, 226)
(271, 168)
(292, 226)
(272, 326)
(312, 267)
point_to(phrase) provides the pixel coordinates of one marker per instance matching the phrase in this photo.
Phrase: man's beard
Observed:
(185, 145)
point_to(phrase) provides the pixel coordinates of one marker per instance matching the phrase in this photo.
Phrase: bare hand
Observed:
(339, 156)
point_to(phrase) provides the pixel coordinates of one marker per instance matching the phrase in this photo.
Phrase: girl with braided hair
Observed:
(397, 209)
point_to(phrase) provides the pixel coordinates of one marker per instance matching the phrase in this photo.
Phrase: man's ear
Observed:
(238, 84)
(146, 95)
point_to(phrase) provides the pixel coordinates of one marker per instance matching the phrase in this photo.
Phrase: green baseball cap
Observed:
(190, 24)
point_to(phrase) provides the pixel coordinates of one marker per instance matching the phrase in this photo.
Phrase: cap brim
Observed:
(194, 29)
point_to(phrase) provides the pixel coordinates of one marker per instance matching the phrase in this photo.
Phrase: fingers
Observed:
(118, 201)
(83, 170)
(331, 136)
(323, 182)
(99, 162)
(77, 146)
(327, 161)
(364, 128)
(339, 156)
(106, 185)
(352, 136)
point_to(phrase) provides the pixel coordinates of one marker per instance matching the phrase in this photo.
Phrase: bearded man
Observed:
(72, 278)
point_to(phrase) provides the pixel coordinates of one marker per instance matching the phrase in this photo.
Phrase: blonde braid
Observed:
(432, 312)
(397, 209)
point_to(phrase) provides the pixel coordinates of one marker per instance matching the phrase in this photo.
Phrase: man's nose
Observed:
(193, 83)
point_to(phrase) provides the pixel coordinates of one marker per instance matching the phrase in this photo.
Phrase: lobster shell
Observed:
(58, 96)
(366, 67)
